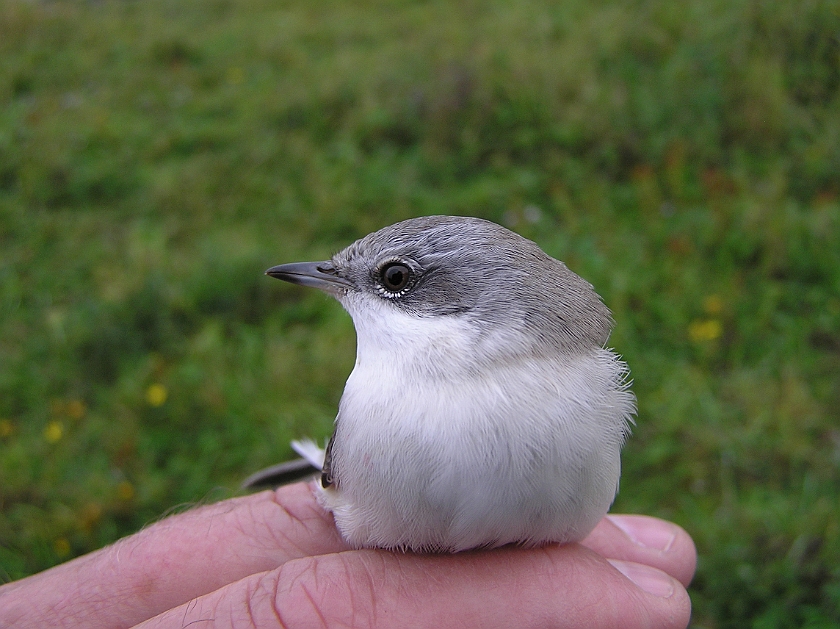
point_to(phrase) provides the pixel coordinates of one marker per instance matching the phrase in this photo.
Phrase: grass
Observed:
(156, 157)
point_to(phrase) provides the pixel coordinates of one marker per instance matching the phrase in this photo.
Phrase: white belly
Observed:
(513, 454)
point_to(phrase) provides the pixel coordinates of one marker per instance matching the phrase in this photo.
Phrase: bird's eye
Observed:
(395, 276)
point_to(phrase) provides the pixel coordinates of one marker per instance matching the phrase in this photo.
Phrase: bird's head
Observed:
(438, 274)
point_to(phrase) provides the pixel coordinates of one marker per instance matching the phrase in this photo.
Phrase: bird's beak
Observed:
(320, 275)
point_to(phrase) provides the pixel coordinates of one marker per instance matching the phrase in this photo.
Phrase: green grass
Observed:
(156, 157)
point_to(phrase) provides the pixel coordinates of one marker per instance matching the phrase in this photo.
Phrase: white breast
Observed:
(441, 447)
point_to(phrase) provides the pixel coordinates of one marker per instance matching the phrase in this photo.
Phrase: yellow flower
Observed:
(125, 491)
(54, 432)
(6, 428)
(61, 547)
(90, 515)
(156, 395)
(76, 409)
(704, 330)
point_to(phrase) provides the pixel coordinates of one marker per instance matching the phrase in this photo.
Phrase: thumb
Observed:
(560, 586)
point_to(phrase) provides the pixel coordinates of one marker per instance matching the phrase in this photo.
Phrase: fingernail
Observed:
(647, 532)
(649, 579)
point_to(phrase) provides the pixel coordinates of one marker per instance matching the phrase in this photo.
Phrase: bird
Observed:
(484, 407)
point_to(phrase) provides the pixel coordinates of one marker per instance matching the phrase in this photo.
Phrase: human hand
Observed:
(274, 559)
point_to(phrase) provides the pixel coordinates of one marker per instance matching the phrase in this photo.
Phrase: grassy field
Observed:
(157, 156)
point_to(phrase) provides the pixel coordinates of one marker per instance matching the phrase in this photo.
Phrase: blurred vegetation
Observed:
(157, 156)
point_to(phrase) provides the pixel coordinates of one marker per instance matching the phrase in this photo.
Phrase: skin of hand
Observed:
(274, 559)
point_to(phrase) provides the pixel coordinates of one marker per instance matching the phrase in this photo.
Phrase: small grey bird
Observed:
(483, 408)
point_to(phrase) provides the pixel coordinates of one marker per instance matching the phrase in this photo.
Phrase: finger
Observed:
(646, 540)
(558, 586)
(174, 560)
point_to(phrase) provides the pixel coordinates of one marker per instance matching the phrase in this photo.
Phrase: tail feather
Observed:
(289, 471)
(310, 451)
